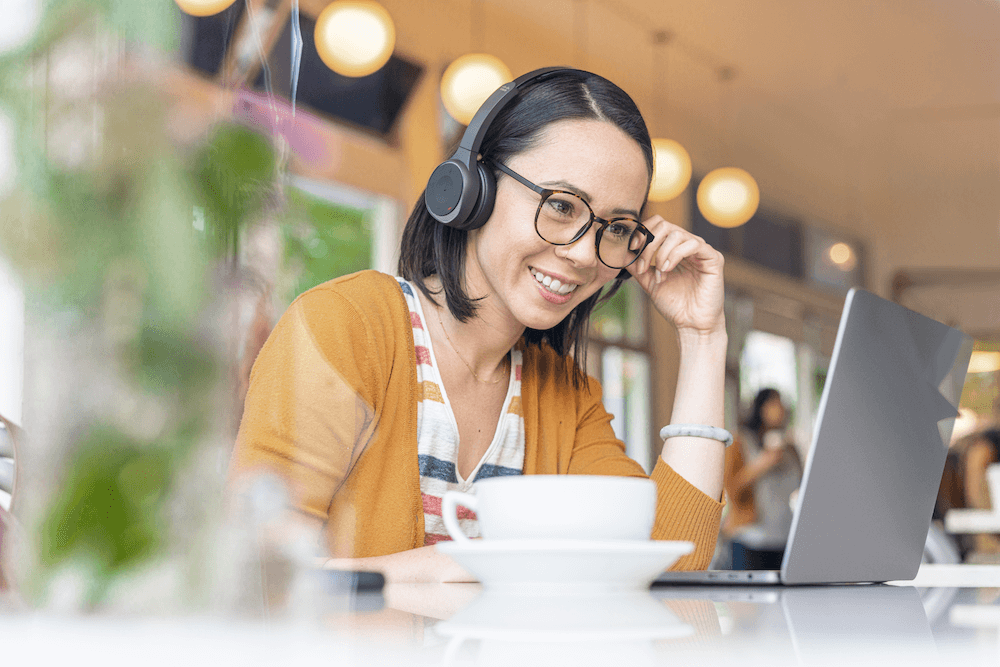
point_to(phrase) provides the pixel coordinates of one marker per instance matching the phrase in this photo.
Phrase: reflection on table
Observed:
(463, 624)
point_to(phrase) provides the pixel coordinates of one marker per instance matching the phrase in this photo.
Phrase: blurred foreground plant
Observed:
(124, 241)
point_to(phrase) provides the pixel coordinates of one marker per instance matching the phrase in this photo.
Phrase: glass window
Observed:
(620, 358)
(768, 361)
(980, 400)
(622, 318)
(627, 388)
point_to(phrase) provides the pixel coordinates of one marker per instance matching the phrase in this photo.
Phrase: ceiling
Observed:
(841, 109)
(878, 120)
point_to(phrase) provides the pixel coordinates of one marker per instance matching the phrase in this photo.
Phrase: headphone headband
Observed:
(472, 139)
(461, 191)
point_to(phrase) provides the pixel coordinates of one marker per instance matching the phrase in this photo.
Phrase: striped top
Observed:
(437, 433)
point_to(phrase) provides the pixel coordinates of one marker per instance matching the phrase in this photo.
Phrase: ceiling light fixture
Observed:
(672, 163)
(355, 37)
(842, 256)
(203, 7)
(472, 78)
(468, 81)
(984, 361)
(728, 196)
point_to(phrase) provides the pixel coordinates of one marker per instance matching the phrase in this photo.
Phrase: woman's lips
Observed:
(552, 289)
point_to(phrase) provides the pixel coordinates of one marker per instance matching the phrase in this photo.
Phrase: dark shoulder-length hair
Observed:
(755, 420)
(431, 248)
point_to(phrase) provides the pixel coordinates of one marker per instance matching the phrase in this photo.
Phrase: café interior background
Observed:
(870, 126)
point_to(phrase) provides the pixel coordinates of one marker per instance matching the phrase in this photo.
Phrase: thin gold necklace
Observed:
(458, 354)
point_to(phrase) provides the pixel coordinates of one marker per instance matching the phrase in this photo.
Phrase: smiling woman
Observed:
(376, 395)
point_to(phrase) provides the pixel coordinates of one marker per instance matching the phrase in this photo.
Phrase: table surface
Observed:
(952, 618)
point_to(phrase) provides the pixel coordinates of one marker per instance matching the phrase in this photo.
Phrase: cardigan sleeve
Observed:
(683, 511)
(309, 410)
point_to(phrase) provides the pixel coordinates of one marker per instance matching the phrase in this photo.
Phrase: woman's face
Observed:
(506, 259)
(772, 412)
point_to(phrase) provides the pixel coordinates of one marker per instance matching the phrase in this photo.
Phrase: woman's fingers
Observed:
(669, 247)
(688, 248)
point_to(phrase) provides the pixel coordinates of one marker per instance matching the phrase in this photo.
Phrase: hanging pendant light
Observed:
(671, 162)
(671, 171)
(728, 196)
(471, 78)
(984, 361)
(468, 81)
(842, 256)
(354, 37)
(203, 7)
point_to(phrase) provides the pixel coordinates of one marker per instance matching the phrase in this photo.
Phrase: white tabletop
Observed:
(463, 624)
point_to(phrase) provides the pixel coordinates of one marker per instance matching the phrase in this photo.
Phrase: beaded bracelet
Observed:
(698, 431)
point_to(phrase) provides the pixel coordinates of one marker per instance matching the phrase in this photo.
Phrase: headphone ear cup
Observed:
(483, 209)
(451, 193)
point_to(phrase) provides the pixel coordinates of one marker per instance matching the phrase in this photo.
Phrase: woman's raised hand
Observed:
(683, 276)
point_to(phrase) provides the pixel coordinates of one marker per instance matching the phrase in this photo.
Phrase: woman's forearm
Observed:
(699, 399)
(422, 565)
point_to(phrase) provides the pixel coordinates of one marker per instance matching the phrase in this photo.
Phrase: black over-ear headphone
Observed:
(461, 191)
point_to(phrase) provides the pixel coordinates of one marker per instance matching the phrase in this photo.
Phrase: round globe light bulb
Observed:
(728, 197)
(672, 170)
(984, 361)
(468, 81)
(842, 256)
(354, 37)
(203, 7)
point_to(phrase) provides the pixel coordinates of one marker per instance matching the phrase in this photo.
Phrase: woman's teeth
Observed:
(552, 284)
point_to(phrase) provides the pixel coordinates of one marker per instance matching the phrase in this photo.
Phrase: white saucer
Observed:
(538, 565)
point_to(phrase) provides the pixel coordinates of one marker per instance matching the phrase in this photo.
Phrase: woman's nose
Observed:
(583, 251)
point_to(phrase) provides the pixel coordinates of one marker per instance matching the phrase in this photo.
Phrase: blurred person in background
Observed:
(763, 470)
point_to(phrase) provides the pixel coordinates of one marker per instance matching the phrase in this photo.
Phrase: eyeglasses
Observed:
(563, 218)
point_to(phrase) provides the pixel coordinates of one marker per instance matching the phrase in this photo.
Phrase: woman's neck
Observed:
(482, 342)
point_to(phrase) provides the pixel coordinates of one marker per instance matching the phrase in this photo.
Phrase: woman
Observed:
(374, 395)
(764, 471)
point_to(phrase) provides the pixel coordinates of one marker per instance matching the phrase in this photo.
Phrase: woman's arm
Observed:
(421, 565)
(683, 277)
(743, 478)
(699, 400)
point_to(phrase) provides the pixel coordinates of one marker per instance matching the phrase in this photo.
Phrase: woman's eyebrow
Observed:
(563, 185)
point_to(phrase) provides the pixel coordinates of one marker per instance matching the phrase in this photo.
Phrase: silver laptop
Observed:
(877, 453)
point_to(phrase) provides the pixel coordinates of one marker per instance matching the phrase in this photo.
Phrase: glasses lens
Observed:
(560, 217)
(621, 243)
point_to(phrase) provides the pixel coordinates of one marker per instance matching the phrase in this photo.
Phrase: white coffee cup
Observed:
(562, 507)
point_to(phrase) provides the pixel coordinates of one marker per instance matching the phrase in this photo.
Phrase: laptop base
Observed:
(723, 577)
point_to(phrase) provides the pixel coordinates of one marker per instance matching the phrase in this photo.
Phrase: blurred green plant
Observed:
(322, 241)
(113, 241)
(235, 172)
(106, 512)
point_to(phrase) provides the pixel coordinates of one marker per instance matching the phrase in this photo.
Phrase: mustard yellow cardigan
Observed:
(332, 410)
